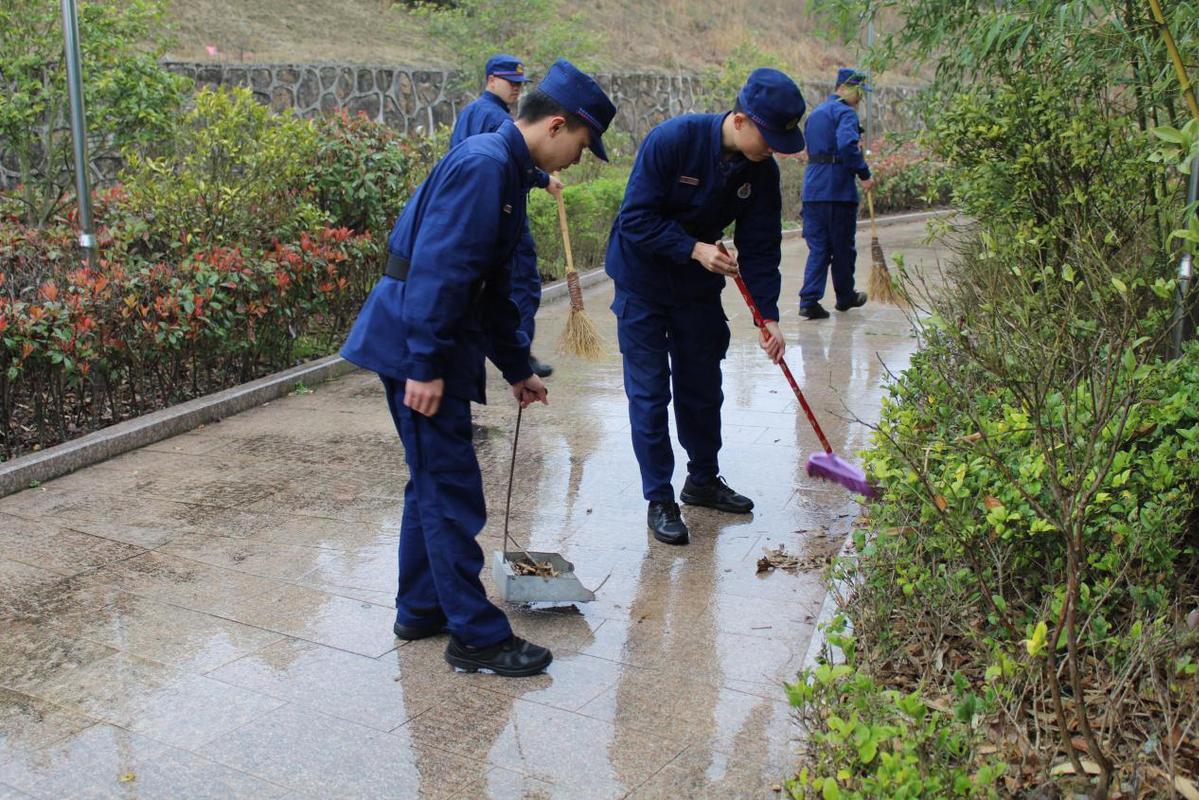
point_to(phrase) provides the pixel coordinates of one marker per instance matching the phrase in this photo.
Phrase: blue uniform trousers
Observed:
(444, 511)
(830, 230)
(681, 344)
(526, 283)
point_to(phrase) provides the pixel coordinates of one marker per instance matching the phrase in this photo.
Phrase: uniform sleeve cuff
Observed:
(420, 369)
(516, 376)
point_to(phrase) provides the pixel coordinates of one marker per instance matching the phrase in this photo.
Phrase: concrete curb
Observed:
(116, 439)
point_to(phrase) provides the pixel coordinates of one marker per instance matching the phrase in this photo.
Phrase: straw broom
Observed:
(880, 277)
(579, 337)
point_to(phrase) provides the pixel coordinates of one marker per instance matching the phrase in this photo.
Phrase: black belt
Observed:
(397, 267)
(816, 158)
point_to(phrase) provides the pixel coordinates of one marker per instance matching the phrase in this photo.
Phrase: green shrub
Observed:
(234, 175)
(590, 209)
(866, 741)
(363, 171)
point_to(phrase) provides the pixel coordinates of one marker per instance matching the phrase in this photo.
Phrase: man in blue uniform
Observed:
(830, 196)
(693, 176)
(505, 77)
(444, 303)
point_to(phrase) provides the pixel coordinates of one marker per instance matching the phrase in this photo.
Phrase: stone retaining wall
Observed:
(414, 99)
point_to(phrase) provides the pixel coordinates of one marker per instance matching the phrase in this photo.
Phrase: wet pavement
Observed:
(211, 616)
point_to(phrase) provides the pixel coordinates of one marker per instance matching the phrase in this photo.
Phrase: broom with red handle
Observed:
(827, 465)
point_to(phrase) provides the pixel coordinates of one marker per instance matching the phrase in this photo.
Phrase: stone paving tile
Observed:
(594, 758)
(28, 724)
(265, 558)
(57, 548)
(345, 685)
(504, 784)
(320, 617)
(165, 703)
(698, 778)
(21, 585)
(321, 756)
(107, 761)
(34, 656)
(165, 633)
(183, 582)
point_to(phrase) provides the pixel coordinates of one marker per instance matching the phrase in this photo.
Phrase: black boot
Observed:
(716, 494)
(540, 368)
(667, 524)
(859, 300)
(413, 632)
(813, 311)
(512, 658)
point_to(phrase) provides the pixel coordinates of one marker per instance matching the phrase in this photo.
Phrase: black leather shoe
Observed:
(813, 311)
(413, 632)
(667, 523)
(716, 494)
(539, 367)
(859, 300)
(512, 658)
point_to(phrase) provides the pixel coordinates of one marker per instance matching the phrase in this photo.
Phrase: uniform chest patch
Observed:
(507, 208)
(745, 190)
(690, 181)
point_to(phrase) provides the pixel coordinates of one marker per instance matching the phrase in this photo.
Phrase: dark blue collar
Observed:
(493, 98)
(520, 153)
(734, 161)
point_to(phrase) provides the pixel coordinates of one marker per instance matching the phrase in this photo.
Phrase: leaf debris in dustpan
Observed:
(526, 566)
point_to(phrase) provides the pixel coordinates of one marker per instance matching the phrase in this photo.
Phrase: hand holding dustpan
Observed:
(826, 465)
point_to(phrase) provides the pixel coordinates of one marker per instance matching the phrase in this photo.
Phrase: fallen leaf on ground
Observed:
(941, 502)
(1088, 766)
(128, 777)
(526, 566)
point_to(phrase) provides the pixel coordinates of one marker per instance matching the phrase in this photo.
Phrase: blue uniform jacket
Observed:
(682, 190)
(833, 130)
(458, 231)
(485, 114)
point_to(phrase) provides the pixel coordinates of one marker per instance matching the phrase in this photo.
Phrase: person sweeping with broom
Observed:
(693, 176)
(443, 302)
(830, 196)
(505, 76)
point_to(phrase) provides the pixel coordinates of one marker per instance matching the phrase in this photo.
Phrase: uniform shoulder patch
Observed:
(690, 181)
(745, 190)
(507, 208)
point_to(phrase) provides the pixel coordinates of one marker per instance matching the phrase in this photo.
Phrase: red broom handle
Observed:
(753, 308)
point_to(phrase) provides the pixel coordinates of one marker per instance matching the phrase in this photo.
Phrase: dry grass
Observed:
(641, 34)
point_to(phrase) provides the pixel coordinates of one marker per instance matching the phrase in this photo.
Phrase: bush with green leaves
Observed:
(867, 741)
(590, 209)
(234, 174)
(130, 100)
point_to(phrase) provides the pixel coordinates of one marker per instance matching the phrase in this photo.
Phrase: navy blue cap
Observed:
(578, 93)
(775, 104)
(510, 68)
(848, 76)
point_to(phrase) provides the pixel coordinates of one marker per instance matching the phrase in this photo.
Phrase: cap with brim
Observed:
(578, 93)
(776, 105)
(510, 68)
(848, 76)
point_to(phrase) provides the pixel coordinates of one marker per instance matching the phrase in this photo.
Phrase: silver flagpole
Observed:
(70, 26)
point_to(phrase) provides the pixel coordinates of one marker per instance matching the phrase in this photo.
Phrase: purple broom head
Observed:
(831, 468)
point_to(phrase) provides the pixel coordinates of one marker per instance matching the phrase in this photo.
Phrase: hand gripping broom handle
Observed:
(753, 308)
(572, 277)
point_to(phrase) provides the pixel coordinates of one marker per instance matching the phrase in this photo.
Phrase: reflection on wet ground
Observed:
(210, 616)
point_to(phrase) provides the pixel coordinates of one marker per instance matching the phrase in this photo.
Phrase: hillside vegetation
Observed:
(691, 35)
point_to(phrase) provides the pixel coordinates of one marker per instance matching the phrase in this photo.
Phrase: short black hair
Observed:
(537, 105)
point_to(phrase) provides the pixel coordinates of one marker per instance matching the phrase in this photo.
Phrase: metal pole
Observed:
(70, 26)
(869, 101)
(1186, 272)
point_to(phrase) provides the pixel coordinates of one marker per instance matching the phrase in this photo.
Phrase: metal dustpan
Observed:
(561, 587)
(556, 584)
